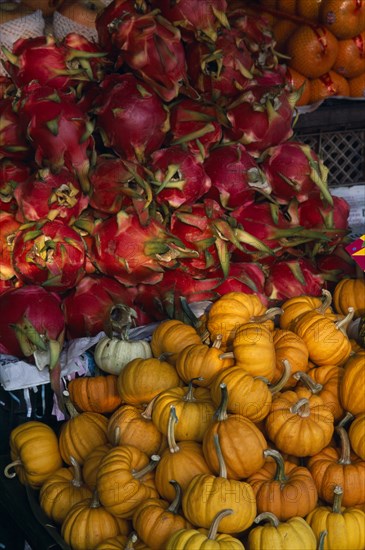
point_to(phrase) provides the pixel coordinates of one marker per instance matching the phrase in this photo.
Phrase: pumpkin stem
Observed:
(337, 499)
(95, 502)
(7, 468)
(77, 479)
(301, 407)
(344, 323)
(190, 395)
(176, 503)
(121, 319)
(212, 533)
(173, 446)
(322, 536)
(132, 539)
(116, 436)
(222, 464)
(311, 384)
(221, 413)
(147, 413)
(275, 388)
(269, 315)
(345, 457)
(280, 465)
(148, 468)
(327, 301)
(346, 419)
(70, 407)
(227, 355)
(268, 516)
(217, 342)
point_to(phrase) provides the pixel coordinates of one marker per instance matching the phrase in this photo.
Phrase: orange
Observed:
(357, 86)
(309, 9)
(350, 60)
(327, 85)
(286, 6)
(296, 81)
(312, 49)
(345, 18)
(282, 30)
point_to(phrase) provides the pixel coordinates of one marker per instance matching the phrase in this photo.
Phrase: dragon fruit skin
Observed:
(179, 177)
(87, 306)
(13, 144)
(293, 278)
(152, 48)
(32, 325)
(131, 117)
(315, 212)
(52, 196)
(60, 132)
(12, 172)
(261, 118)
(235, 176)
(294, 169)
(49, 253)
(8, 229)
(195, 124)
(247, 277)
(199, 19)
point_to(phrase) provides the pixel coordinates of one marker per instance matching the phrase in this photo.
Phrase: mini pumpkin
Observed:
(350, 293)
(345, 527)
(289, 346)
(113, 354)
(91, 464)
(95, 393)
(171, 337)
(192, 539)
(353, 382)
(276, 535)
(357, 435)
(294, 307)
(34, 452)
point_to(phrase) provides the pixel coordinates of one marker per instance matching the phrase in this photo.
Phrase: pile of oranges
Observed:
(323, 42)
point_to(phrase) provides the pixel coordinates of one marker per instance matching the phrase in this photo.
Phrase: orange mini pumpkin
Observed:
(95, 393)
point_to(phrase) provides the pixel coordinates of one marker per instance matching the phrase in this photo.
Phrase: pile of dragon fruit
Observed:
(157, 163)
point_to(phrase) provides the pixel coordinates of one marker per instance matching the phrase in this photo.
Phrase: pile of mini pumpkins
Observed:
(246, 430)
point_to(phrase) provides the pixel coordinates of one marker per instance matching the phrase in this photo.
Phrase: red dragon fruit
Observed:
(88, 56)
(235, 176)
(52, 196)
(115, 182)
(87, 307)
(335, 265)
(204, 227)
(32, 325)
(196, 125)
(294, 169)
(247, 277)
(7, 284)
(49, 253)
(293, 278)
(152, 48)
(261, 118)
(223, 70)
(178, 176)
(131, 117)
(13, 143)
(60, 132)
(117, 9)
(8, 230)
(50, 63)
(197, 19)
(12, 172)
(133, 253)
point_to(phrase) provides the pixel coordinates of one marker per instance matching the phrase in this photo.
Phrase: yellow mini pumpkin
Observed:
(274, 535)
(357, 435)
(171, 337)
(350, 293)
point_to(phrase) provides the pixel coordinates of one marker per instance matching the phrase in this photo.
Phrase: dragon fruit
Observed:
(235, 176)
(49, 253)
(134, 253)
(261, 118)
(223, 70)
(152, 48)
(52, 196)
(13, 143)
(294, 169)
(87, 306)
(178, 177)
(335, 265)
(60, 132)
(293, 278)
(196, 125)
(247, 277)
(199, 19)
(9, 227)
(50, 63)
(12, 172)
(131, 117)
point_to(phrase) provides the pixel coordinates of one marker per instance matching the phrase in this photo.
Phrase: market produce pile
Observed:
(253, 417)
